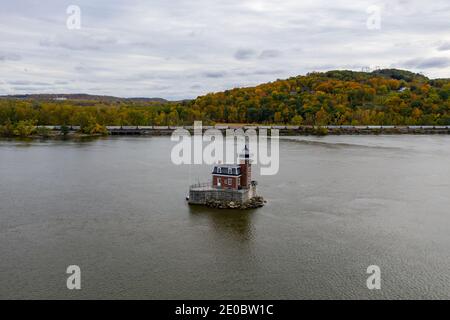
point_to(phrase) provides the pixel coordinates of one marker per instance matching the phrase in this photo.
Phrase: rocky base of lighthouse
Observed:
(252, 203)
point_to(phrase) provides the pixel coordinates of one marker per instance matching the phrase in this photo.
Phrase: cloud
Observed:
(78, 42)
(244, 54)
(268, 54)
(27, 83)
(427, 63)
(444, 47)
(259, 72)
(61, 82)
(185, 48)
(214, 74)
(9, 56)
(248, 54)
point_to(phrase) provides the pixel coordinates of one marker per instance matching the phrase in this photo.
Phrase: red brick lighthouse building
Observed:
(232, 186)
(234, 176)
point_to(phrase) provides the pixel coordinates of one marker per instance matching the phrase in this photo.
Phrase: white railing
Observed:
(201, 185)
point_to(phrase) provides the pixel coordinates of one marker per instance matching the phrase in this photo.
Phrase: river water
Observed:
(116, 207)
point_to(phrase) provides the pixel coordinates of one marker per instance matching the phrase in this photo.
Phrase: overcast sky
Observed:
(179, 49)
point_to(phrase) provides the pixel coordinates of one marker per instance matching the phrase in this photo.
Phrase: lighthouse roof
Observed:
(227, 169)
(227, 165)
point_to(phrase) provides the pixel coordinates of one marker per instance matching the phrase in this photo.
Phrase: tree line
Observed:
(382, 97)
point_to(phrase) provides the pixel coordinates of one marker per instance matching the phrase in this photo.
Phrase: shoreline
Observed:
(55, 133)
(54, 136)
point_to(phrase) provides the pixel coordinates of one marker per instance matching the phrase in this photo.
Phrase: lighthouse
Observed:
(246, 168)
(231, 187)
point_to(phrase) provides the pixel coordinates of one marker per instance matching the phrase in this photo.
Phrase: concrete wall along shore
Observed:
(201, 196)
(283, 130)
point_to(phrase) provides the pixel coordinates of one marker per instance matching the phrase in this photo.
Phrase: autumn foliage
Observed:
(382, 97)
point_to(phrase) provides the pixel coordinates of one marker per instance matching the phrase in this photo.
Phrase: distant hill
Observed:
(385, 96)
(400, 75)
(80, 96)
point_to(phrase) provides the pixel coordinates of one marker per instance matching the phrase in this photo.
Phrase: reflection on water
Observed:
(229, 223)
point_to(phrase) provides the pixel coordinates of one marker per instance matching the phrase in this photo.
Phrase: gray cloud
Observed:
(444, 47)
(9, 56)
(78, 42)
(268, 54)
(19, 82)
(428, 63)
(259, 72)
(28, 88)
(248, 54)
(187, 48)
(61, 82)
(214, 74)
(244, 54)
(27, 83)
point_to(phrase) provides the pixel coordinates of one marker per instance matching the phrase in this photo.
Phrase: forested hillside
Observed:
(389, 97)
(382, 97)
